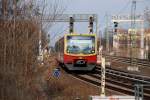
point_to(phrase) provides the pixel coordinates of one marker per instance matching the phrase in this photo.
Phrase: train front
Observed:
(80, 52)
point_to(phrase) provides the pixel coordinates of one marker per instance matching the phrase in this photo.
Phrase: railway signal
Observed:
(115, 27)
(71, 23)
(91, 20)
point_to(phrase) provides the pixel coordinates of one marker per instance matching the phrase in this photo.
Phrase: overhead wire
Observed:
(59, 33)
(124, 8)
(146, 4)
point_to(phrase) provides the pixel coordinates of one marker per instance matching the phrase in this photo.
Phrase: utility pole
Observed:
(133, 12)
(142, 35)
(107, 34)
(107, 41)
(133, 9)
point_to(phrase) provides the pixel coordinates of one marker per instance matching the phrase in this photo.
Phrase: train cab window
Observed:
(80, 44)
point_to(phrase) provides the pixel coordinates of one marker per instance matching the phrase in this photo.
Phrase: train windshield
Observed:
(81, 44)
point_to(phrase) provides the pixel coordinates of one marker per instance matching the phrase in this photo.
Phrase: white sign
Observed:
(113, 98)
(126, 17)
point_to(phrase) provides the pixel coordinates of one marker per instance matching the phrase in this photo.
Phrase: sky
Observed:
(101, 8)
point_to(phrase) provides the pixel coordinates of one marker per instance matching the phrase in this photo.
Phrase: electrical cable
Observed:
(124, 8)
(59, 33)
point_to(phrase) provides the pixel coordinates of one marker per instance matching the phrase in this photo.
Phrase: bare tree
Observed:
(19, 42)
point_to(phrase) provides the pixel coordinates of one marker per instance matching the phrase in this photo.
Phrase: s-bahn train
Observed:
(77, 51)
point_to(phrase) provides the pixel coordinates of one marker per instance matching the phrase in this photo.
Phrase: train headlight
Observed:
(93, 51)
(80, 57)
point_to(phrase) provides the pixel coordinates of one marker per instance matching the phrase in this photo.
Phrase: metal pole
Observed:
(107, 34)
(142, 96)
(96, 25)
(133, 8)
(40, 41)
(142, 34)
(107, 40)
(103, 77)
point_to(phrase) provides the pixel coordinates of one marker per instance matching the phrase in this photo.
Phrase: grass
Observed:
(64, 87)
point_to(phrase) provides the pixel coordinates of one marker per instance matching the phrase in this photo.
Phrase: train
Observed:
(77, 51)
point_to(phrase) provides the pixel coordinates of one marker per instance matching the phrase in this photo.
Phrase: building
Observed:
(125, 37)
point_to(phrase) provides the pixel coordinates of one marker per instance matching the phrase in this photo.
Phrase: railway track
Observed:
(125, 75)
(117, 81)
(126, 60)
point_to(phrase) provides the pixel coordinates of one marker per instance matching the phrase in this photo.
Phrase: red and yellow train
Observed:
(77, 51)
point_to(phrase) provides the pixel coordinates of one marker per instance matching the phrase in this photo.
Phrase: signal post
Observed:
(103, 77)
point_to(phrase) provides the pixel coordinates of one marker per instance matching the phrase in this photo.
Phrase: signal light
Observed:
(115, 30)
(115, 24)
(115, 27)
(91, 21)
(71, 20)
(71, 25)
(91, 24)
